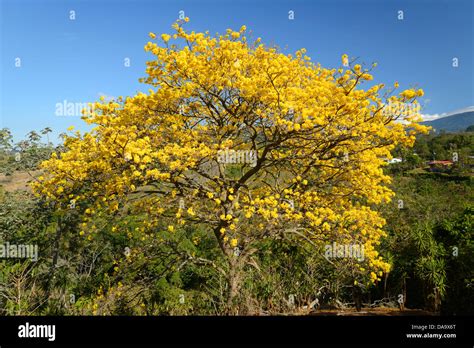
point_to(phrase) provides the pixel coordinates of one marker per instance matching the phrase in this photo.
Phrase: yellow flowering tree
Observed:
(244, 140)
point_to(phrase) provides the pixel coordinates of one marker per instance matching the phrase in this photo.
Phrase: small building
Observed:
(440, 166)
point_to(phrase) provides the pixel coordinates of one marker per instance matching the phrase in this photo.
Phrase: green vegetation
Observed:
(430, 245)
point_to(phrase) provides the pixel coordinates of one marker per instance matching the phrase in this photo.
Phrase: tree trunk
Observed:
(436, 299)
(357, 297)
(54, 260)
(234, 276)
(234, 280)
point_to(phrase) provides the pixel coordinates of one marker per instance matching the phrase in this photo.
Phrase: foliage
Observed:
(23, 155)
(223, 94)
(144, 216)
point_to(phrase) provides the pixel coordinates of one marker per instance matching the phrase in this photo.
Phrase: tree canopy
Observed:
(305, 147)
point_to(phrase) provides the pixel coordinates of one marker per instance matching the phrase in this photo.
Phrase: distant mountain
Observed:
(453, 123)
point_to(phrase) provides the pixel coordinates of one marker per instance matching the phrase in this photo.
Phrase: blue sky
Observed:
(77, 60)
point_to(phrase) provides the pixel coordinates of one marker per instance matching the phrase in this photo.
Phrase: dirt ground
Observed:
(379, 311)
(17, 181)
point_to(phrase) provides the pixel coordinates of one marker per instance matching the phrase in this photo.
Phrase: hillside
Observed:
(454, 123)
